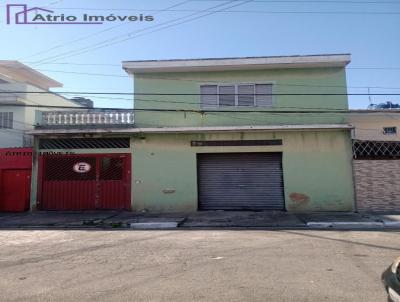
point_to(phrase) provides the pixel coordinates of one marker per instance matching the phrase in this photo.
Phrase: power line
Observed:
(119, 65)
(157, 28)
(207, 110)
(90, 35)
(114, 38)
(277, 12)
(276, 84)
(194, 80)
(255, 1)
(312, 1)
(200, 94)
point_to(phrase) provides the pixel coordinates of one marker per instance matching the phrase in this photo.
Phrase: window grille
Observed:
(62, 168)
(111, 168)
(84, 143)
(389, 130)
(376, 149)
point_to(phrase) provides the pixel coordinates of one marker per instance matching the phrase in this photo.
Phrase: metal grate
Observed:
(268, 142)
(111, 169)
(83, 143)
(65, 168)
(376, 149)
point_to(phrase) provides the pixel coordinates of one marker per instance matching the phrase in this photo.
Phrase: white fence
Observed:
(81, 118)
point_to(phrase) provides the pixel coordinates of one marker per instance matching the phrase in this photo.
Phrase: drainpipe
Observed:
(34, 174)
(352, 137)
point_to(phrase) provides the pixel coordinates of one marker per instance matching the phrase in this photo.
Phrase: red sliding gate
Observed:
(84, 182)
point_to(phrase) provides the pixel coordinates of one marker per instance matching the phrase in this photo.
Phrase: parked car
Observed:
(391, 281)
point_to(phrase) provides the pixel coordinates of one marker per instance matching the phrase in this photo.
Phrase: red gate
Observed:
(84, 182)
(15, 179)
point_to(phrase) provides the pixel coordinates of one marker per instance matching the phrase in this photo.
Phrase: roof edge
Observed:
(237, 63)
(193, 129)
(21, 72)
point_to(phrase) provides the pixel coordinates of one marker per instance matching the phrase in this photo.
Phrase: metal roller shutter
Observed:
(240, 181)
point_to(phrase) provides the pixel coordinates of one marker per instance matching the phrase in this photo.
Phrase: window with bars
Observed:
(389, 130)
(6, 120)
(239, 95)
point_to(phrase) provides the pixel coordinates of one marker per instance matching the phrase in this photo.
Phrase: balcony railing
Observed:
(87, 118)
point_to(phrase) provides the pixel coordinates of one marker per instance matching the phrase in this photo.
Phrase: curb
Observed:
(153, 225)
(392, 224)
(347, 224)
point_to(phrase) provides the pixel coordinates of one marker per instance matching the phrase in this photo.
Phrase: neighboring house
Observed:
(376, 151)
(208, 134)
(376, 125)
(15, 120)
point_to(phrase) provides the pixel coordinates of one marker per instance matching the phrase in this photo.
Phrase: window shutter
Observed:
(6, 120)
(208, 96)
(245, 95)
(10, 120)
(226, 95)
(265, 97)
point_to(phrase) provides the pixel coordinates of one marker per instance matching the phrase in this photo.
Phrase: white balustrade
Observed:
(82, 118)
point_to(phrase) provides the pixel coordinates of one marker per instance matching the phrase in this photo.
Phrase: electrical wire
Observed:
(207, 110)
(157, 28)
(204, 81)
(90, 35)
(119, 65)
(200, 94)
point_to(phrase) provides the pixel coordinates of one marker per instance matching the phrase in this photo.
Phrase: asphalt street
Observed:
(194, 265)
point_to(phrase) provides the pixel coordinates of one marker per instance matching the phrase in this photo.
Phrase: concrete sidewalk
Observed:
(201, 219)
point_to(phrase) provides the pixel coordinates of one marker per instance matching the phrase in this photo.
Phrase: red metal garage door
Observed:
(85, 182)
(15, 190)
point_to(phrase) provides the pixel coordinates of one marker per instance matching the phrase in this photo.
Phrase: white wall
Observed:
(24, 117)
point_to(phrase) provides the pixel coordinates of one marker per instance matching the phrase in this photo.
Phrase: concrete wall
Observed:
(377, 185)
(311, 80)
(25, 117)
(316, 166)
(13, 137)
(369, 126)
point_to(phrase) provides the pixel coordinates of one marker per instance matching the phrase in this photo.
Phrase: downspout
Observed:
(352, 137)
(34, 174)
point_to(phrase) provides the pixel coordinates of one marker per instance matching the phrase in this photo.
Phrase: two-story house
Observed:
(262, 133)
(21, 85)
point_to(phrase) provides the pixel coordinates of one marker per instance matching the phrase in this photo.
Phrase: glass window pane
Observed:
(226, 95)
(208, 96)
(245, 95)
(264, 95)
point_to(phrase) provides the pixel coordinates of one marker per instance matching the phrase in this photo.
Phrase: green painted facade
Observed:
(317, 169)
(285, 81)
(317, 164)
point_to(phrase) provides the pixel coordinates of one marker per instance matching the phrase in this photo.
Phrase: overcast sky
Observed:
(369, 30)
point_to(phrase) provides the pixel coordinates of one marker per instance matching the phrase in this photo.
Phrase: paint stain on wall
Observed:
(299, 198)
(299, 202)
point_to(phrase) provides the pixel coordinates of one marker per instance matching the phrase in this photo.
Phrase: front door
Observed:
(15, 190)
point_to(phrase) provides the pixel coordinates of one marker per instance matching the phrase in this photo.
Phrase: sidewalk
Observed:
(202, 219)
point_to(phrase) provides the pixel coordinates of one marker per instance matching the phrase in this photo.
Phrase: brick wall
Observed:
(377, 185)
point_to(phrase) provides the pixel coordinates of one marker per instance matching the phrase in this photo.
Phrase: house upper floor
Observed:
(22, 85)
(375, 125)
(240, 91)
(26, 101)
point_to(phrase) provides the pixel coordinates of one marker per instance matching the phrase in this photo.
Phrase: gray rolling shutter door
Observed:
(240, 181)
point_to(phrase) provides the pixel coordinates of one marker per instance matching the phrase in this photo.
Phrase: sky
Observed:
(369, 30)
